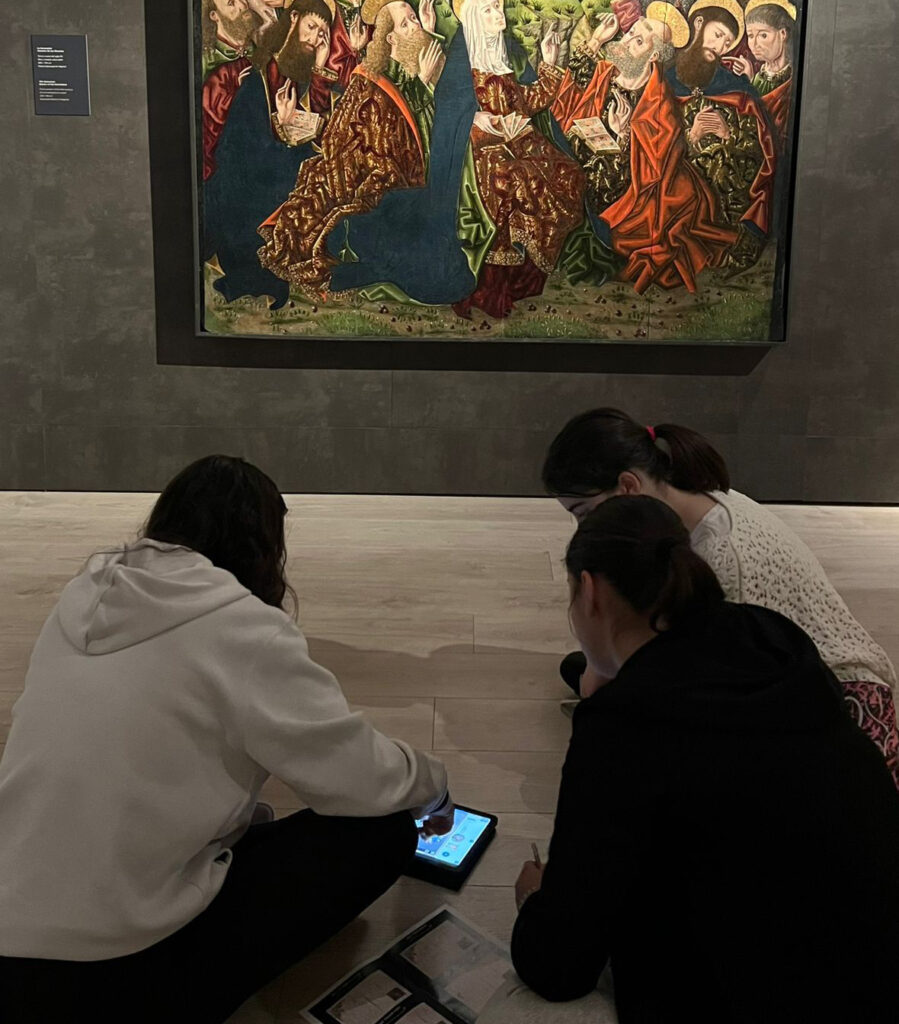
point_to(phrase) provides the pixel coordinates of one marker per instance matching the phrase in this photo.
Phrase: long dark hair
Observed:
(642, 548)
(231, 512)
(593, 449)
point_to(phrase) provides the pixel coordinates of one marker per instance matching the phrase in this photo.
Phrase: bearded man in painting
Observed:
(729, 138)
(280, 107)
(227, 29)
(376, 141)
(625, 127)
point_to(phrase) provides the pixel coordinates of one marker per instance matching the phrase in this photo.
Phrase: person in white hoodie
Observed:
(164, 689)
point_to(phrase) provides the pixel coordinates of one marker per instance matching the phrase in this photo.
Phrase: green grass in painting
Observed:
(742, 318)
(347, 322)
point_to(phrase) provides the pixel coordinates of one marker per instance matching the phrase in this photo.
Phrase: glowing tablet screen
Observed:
(451, 849)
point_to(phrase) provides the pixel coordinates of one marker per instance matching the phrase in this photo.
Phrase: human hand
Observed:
(323, 49)
(486, 121)
(550, 46)
(530, 879)
(439, 824)
(709, 122)
(243, 74)
(428, 61)
(606, 29)
(286, 102)
(263, 12)
(741, 66)
(619, 115)
(427, 15)
(358, 32)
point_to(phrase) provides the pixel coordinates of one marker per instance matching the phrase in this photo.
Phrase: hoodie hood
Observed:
(741, 668)
(127, 596)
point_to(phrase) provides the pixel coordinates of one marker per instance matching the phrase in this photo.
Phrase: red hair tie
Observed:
(652, 432)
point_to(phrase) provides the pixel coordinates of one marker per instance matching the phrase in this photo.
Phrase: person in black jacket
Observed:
(725, 835)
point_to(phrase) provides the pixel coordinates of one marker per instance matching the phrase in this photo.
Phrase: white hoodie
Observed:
(160, 696)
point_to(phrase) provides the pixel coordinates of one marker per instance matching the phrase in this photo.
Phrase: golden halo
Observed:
(669, 15)
(372, 8)
(731, 6)
(785, 4)
(457, 8)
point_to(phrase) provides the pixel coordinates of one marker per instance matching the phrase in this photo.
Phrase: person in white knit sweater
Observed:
(757, 558)
(164, 689)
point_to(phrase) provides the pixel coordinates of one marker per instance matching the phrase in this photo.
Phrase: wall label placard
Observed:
(61, 81)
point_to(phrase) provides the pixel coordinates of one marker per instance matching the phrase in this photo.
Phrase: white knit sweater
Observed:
(161, 694)
(758, 559)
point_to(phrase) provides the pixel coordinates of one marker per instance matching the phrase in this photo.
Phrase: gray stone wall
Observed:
(84, 406)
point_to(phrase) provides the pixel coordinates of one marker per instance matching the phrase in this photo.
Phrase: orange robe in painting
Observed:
(666, 224)
(370, 146)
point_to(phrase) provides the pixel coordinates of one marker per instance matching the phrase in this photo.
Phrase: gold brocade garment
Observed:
(730, 166)
(369, 147)
(533, 192)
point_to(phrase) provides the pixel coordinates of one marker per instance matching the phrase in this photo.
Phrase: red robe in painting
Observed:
(666, 224)
(777, 102)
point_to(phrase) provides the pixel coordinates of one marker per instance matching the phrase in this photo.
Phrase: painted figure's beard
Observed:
(694, 68)
(296, 60)
(407, 50)
(627, 64)
(241, 28)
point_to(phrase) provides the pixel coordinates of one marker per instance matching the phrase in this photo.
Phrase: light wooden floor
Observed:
(444, 618)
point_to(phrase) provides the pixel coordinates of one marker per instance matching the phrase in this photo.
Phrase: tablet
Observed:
(449, 860)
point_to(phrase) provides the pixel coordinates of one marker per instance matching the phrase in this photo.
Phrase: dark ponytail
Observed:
(642, 548)
(592, 450)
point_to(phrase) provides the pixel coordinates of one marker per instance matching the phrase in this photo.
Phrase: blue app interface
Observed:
(452, 848)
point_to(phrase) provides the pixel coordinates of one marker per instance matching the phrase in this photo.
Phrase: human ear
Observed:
(700, 21)
(294, 18)
(629, 483)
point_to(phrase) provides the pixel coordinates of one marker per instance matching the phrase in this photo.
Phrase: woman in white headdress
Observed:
(532, 191)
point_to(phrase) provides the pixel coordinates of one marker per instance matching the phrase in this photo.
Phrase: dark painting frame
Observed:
(180, 340)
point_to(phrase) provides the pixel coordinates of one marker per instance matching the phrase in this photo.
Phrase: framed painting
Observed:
(506, 183)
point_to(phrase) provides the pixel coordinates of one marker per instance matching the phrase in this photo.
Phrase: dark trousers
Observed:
(292, 884)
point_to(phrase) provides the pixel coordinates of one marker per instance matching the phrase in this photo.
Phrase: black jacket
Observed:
(727, 835)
